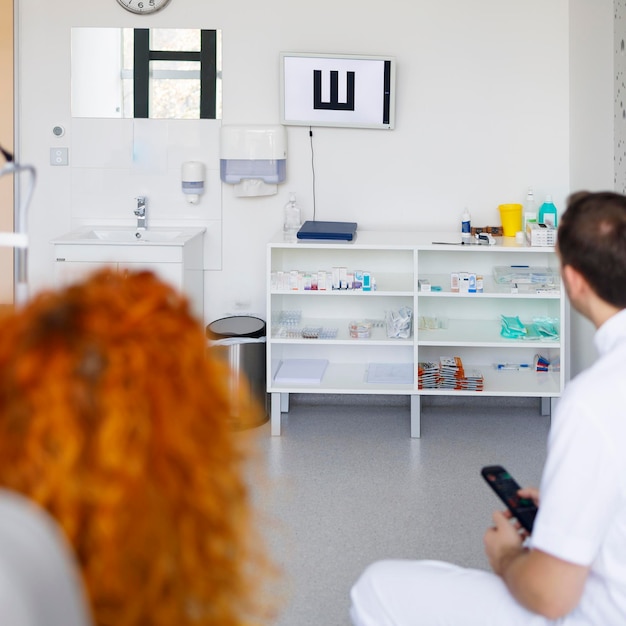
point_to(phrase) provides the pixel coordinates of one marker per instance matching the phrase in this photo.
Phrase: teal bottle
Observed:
(547, 213)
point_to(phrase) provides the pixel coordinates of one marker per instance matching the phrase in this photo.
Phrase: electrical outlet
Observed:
(59, 156)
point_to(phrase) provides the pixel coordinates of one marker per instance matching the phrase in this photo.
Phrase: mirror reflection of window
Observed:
(174, 90)
(175, 85)
(179, 77)
(175, 39)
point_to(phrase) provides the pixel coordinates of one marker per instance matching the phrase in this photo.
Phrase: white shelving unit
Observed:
(396, 260)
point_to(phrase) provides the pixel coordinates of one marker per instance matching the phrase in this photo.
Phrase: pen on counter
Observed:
(456, 243)
(512, 366)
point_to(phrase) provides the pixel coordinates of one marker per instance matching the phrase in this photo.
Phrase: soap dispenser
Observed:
(192, 179)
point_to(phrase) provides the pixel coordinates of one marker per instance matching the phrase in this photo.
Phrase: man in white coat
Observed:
(572, 570)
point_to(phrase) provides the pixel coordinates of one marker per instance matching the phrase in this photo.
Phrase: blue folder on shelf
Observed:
(333, 231)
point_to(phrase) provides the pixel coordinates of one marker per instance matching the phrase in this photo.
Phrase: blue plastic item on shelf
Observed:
(548, 213)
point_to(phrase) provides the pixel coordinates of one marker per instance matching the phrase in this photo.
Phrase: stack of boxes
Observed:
(337, 278)
(540, 234)
(466, 282)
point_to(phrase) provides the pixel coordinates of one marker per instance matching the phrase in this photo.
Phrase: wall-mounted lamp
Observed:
(192, 176)
(253, 158)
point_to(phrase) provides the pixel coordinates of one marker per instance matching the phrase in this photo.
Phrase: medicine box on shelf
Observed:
(540, 234)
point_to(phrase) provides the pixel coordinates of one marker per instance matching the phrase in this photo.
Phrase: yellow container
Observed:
(511, 217)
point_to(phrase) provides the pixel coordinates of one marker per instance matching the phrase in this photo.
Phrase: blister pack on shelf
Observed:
(541, 328)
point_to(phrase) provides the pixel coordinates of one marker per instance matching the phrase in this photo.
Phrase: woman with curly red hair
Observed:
(115, 420)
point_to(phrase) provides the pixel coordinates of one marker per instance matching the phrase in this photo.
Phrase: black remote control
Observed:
(506, 488)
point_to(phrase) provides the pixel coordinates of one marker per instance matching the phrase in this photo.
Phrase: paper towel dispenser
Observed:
(253, 158)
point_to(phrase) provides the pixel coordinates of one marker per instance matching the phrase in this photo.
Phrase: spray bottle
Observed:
(291, 219)
(530, 209)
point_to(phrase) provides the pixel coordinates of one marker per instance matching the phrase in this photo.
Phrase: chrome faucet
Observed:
(140, 212)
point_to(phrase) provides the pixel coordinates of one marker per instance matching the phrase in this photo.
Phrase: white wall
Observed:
(482, 113)
(6, 141)
(592, 54)
(619, 76)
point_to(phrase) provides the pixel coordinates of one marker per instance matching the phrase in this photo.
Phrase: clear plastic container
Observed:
(507, 274)
(360, 329)
(291, 219)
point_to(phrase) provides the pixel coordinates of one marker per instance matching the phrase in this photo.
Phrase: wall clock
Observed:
(143, 6)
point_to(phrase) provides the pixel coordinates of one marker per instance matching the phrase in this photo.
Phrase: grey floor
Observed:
(347, 486)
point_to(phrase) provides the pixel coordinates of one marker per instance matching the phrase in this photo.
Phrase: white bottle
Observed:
(291, 219)
(530, 209)
(466, 227)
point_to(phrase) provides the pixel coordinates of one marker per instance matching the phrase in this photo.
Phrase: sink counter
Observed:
(123, 235)
(174, 254)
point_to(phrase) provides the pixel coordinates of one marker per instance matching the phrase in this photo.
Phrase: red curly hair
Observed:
(114, 419)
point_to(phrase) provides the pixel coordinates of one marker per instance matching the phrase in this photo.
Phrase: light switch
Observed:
(59, 156)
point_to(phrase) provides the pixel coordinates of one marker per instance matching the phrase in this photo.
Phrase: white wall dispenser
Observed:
(253, 158)
(192, 179)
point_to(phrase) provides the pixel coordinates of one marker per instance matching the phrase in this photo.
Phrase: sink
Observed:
(125, 235)
(173, 252)
(133, 235)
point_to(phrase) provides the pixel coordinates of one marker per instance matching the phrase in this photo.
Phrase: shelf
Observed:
(472, 321)
(399, 284)
(378, 335)
(346, 378)
(345, 340)
(508, 383)
(491, 289)
(340, 293)
(477, 333)
(351, 378)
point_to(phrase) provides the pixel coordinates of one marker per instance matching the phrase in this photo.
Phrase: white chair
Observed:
(40, 583)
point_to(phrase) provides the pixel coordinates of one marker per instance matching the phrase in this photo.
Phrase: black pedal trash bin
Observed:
(240, 341)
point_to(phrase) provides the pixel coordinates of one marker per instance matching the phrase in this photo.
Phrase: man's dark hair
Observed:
(592, 239)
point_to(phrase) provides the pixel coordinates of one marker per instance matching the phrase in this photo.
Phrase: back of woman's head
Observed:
(113, 418)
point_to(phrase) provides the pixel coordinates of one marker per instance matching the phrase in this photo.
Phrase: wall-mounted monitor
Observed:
(337, 90)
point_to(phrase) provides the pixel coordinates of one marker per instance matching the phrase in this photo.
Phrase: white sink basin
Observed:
(114, 235)
(133, 235)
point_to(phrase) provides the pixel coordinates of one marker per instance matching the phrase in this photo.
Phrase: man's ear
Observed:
(574, 281)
